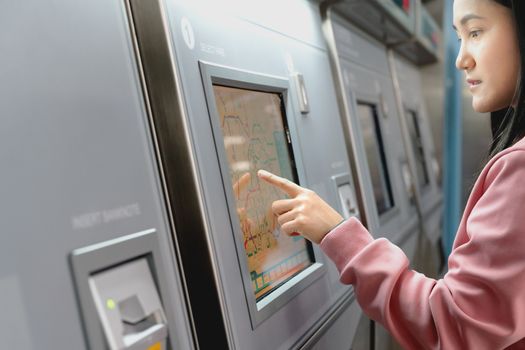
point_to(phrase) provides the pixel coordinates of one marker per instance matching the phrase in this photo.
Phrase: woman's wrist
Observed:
(333, 227)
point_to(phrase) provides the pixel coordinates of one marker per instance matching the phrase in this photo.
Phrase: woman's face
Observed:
(489, 53)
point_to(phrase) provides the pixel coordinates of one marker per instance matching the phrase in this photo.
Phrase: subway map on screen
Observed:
(255, 138)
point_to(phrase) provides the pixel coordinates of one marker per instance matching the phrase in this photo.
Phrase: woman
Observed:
(480, 302)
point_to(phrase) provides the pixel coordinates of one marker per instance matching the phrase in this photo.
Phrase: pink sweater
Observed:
(480, 302)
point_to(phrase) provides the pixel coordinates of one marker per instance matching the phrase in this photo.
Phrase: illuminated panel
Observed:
(255, 137)
(417, 149)
(375, 155)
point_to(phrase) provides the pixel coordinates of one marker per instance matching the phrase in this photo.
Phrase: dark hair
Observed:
(508, 124)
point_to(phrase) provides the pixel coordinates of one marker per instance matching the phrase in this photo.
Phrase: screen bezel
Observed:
(413, 114)
(213, 74)
(362, 98)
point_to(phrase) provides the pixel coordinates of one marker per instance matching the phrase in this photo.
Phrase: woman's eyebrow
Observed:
(467, 18)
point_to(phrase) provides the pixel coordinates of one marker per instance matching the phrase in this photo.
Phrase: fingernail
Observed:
(262, 172)
(295, 234)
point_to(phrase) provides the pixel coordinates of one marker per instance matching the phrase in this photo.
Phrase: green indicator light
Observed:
(110, 304)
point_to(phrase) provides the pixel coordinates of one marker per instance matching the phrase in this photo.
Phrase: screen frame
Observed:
(415, 112)
(212, 74)
(363, 98)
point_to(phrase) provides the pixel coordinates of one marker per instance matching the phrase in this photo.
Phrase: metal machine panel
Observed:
(389, 198)
(77, 165)
(391, 21)
(207, 44)
(356, 46)
(371, 97)
(117, 284)
(256, 105)
(422, 145)
(423, 46)
(403, 26)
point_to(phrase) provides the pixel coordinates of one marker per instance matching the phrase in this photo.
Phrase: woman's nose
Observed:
(464, 60)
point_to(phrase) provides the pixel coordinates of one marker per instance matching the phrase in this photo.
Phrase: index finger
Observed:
(283, 184)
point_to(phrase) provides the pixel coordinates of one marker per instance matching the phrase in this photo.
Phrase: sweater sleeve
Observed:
(480, 302)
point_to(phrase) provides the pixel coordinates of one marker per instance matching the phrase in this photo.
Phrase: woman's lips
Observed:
(473, 83)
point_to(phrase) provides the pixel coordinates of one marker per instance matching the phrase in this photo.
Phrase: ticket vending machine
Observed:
(374, 126)
(232, 89)
(370, 43)
(427, 171)
(405, 37)
(87, 260)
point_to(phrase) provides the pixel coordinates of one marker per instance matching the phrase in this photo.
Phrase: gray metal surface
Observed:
(368, 74)
(370, 82)
(412, 99)
(77, 164)
(91, 262)
(402, 27)
(262, 42)
(81, 162)
(262, 310)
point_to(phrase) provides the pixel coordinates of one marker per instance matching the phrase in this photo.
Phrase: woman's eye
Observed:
(474, 33)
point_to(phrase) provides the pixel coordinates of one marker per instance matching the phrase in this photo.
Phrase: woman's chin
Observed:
(479, 106)
(483, 106)
(480, 109)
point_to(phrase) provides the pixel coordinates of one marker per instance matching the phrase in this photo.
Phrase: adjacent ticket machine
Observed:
(373, 124)
(371, 43)
(427, 170)
(87, 260)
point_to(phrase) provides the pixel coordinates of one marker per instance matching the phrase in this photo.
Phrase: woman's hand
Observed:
(304, 213)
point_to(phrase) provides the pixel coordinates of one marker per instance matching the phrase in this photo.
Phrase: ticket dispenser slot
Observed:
(120, 294)
(129, 307)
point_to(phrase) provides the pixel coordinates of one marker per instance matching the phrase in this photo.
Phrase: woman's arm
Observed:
(480, 302)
